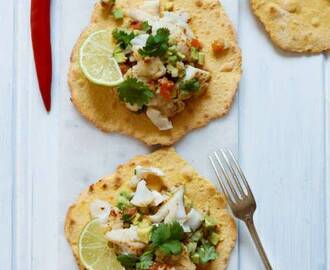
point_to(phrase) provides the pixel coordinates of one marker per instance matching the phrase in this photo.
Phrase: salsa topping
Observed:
(150, 229)
(162, 61)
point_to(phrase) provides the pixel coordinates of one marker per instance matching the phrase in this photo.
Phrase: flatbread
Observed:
(177, 172)
(296, 25)
(101, 106)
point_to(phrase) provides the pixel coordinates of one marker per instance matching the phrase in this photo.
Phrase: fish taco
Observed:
(155, 69)
(156, 212)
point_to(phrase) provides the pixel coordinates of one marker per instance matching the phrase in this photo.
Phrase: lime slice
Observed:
(96, 59)
(94, 251)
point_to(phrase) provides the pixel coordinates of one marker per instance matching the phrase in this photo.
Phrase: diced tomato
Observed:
(123, 68)
(166, 87)
(196, 43)
(136, 25)
(218, 46)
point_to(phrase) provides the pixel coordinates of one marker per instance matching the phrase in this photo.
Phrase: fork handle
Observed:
(252, 229)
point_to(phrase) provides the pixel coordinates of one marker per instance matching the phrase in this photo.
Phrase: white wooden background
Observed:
(279, 126)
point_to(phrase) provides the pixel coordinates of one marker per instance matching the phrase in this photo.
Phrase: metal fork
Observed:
(238, 193)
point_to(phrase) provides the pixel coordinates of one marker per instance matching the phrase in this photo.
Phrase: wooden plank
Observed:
(7, 133)
(282, 150)
(24, 189)
(221, 133)
(36, 144)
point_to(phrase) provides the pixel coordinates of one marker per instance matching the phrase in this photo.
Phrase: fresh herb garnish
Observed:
(171, 247)
(128, 260)
(157, 45)
(146, 27)
(127, 218)
(134, 92)
(146, 260)
(123, 201)
(123, 38)
(166, 237)
(190, 86)
(141, 263)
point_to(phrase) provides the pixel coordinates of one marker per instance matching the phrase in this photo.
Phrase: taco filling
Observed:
(156, 229)
(161, 61)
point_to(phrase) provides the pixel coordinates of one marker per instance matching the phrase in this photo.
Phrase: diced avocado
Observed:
(194, 54)
(191, 247)
(181, 56)
(172, 59)
(198, 235)
(195, 258)
(201, 58)
(209, 222)
(144, 233)
(137, 219)
(123, 203)
(173, 71)
(118, 14)
(215, 238)
(126, 194)
(119, 55)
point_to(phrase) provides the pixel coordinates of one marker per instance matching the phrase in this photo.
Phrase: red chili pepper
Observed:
(40, 32)
(136, 25)
(196, 43)
(166, 87)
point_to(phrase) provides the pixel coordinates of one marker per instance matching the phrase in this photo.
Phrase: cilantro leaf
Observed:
(127, 218)
(134, 92)
(132, 261)
(146, 260)
(160, 234)
(128, 260)
(156, 45)
(171, 247)
(207, 253)
(167, 238)
(192, 85)
(123, 38)
(146, 26)
(177, 232)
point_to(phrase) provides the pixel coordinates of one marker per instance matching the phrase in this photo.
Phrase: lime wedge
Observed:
(96, 59)
(94, 251)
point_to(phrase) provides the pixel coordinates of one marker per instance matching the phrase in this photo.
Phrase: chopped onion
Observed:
(160, 121)
(100, 209)
(143, 196)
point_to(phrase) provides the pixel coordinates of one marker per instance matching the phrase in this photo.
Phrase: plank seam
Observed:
(13, 142)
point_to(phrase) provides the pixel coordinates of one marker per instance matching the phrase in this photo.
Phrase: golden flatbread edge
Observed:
(293, 30)
(177, 172)
(101, 106)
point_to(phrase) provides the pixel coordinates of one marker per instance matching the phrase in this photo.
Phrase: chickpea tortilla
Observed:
(296, 25)
(211, 88)
(168, 175)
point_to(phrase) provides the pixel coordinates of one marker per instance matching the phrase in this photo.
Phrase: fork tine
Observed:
(229, 182)
(241, 173)
(223, 187)
(238, 184)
